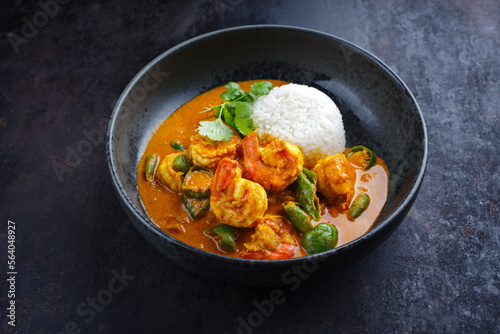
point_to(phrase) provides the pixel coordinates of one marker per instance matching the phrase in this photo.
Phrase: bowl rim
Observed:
(372, 233)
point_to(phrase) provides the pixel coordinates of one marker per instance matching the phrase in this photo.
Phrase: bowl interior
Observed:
(377, 108)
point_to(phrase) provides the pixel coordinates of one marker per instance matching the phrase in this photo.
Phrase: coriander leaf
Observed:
(236, 111)
(244, 125)
(260, 88)
(231, 107)
(215, 130)
(245, 98)
(234, 92)
(243, 120)
(228, 115)
(243, 110)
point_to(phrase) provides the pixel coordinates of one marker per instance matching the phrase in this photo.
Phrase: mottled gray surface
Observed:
(439, 272)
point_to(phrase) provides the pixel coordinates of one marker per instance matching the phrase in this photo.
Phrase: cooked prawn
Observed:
(336, 180)
(168, 175)
(274, 166)
(207, 152)
(272, 240)
(236, 201)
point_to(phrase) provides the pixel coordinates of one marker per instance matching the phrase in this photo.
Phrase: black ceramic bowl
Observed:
(377, 108)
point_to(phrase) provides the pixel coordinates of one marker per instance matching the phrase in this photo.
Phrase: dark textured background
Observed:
(439, 272)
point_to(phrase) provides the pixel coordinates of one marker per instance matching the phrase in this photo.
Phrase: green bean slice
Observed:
(177, 146)
(311, 176)
(370, 158)
(227, 234)
(297, 217)
(359, 205)
(196, 183)
(194, 206)
(324, 237)
(150, 167)
(181, 164)
(305, 191)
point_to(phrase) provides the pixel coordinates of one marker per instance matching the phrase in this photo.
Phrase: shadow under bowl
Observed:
(377, 108)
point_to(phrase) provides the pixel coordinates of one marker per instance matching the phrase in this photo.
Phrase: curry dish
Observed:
(255, 197)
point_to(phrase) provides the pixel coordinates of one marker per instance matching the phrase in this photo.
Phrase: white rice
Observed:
(303, 116)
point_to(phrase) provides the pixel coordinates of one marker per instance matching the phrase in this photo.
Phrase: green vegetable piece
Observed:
(259, 89)
(236, 111)
(181, 164)
(177, 146)
(201, 168)
(244, 125)
(196, 183)
(359, 205)
(369, 159)
(150, 167)
(234, 92)
(242, 110)
(305, 191)
(227, 234)
(194, 206)
(215, 130)
(311, 176)
(324, 237)
(228, 114)
(243, 118)
(299, 219)
(238, 115)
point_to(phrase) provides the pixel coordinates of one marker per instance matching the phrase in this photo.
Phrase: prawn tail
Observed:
(285, 251)
(251, 147)
(224, 176)
(252, 156)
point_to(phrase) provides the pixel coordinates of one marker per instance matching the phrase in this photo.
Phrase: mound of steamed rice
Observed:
(303, 116)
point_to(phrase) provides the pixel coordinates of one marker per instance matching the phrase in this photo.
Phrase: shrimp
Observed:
(274, 166)
(336, 180)
(168, 175)
(272, 240)
(206, 152)
(234, 200)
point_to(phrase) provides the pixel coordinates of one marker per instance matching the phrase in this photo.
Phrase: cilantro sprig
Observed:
(236, 111)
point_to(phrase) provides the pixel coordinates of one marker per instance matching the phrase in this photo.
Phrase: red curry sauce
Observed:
(166, 211)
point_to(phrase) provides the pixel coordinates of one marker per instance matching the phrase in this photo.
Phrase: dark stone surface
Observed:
(439, 272)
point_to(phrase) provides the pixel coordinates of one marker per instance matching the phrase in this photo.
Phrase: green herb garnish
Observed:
(236, 111)
(215, 130)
